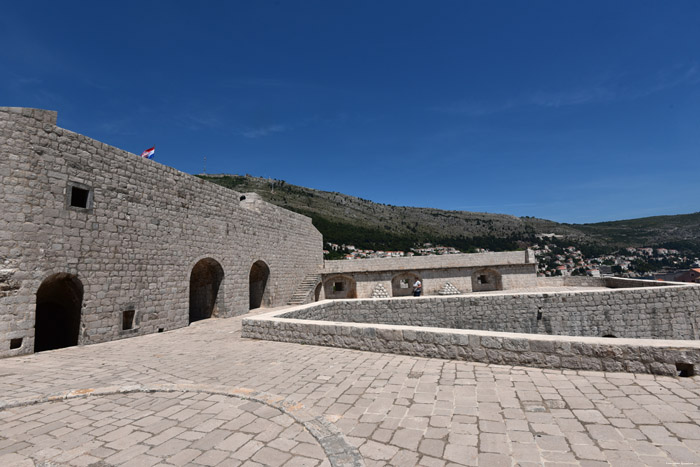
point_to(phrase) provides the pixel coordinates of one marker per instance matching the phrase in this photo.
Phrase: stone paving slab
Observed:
(396, 410)
(157, 428)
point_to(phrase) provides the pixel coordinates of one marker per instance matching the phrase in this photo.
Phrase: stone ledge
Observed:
(652, 356)
(639, 313)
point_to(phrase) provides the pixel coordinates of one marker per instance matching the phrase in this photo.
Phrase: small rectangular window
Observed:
(79, 196)
(338, 287)
(15, 343)
(128, 319)
(403, 283)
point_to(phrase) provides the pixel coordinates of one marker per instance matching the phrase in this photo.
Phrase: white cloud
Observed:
(603, 88)
(264, 131)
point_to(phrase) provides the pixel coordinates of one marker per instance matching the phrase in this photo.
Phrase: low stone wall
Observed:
(361, 277)
(645, 312)
(513, 276)
(663, 357)
(463, 260)
(610, 282)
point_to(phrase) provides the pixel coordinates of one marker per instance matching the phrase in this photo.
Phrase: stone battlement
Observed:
(99, 244)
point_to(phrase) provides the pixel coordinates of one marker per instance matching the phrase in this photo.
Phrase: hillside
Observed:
(347, 219)
(679, 229)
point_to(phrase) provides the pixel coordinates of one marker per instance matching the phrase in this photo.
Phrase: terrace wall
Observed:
(662, 357)
(405, 326)
(669, 312)
(517, 269)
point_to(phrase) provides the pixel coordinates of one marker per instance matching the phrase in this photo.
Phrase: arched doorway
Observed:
(486, 279)
(205, 281)
(59, 301)
(259, 273)
(402, 284)
(317, 292)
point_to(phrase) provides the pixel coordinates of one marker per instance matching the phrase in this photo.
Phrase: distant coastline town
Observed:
(350, 252)
(661, 264)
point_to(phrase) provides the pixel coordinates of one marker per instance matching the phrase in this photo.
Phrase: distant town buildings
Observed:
(427, 250)
(657, 263)
(691, 275)
(554, 260)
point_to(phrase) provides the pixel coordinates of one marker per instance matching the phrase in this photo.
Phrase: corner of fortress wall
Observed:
(134, 245)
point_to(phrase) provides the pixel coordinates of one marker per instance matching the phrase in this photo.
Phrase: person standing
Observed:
(417, 288)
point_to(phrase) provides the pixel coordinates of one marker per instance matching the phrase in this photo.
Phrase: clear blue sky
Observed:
(575, 111)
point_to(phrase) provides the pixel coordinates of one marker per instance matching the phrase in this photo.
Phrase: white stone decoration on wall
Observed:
(449, 289)
(379, 292)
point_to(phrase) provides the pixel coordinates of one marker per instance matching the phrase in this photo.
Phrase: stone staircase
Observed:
(304, 288)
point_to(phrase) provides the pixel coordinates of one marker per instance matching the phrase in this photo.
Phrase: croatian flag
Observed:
(148, 153)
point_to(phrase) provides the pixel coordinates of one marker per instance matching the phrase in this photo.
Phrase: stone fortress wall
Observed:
(549, 330)
(110, 245)
(475, 272)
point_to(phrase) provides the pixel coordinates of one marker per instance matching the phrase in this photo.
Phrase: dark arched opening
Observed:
(402, 284)
(259, 273)
(339, 287)
(317, 292)
(487, 279)
(205, 281)
(58, 304)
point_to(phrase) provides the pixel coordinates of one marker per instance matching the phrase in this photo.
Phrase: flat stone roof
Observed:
(203, 396)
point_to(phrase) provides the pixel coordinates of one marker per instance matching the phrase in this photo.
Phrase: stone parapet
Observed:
(648, 312)
(662, 357)
(466, 260)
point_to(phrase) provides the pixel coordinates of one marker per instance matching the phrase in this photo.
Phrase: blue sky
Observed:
(567, 110)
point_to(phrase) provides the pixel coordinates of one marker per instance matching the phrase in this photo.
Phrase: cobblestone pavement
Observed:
(396, 410)
(170, 428)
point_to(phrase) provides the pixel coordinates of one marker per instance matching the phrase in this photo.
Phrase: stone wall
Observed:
(512, 277)
(669, 312)
(664, 357)
(429, 262)
(135, 243)
(514, 270)
(610, 282)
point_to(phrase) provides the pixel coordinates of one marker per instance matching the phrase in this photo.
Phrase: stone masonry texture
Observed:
(649, 312)
(514, 329)
(516, 268)
(135, 244)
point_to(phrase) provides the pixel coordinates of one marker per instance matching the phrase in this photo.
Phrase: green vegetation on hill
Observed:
(682, 229)
(345, 219)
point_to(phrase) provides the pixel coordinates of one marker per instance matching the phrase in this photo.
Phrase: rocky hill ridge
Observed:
(343, 217)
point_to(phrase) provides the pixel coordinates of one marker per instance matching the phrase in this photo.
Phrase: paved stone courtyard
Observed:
(203, 396)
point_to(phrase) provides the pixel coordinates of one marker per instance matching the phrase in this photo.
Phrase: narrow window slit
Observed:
(128, 319)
